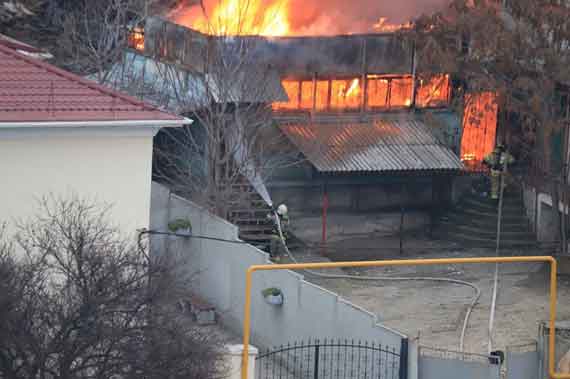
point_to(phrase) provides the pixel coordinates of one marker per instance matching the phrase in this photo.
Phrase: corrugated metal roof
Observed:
(33, 90)
(402, 143)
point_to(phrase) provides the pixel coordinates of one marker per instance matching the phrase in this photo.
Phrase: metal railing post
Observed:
(316, 367)
(404, 359)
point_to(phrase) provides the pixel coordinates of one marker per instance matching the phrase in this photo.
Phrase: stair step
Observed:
(255, 237)
(486, 216)
(249, 211)
(485, 224)
(466, 238)
(249, 221)
(255, 228)
(491, 234)
(474, 222)
(507, 198)
(472, 202)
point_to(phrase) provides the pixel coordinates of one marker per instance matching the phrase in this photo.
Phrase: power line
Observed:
(156, 232)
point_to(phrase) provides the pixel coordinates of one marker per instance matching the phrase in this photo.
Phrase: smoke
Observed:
(354, 16)
(326, 17)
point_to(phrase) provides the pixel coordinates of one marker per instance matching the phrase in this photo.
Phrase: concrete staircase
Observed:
(473, 222)
(251, 216)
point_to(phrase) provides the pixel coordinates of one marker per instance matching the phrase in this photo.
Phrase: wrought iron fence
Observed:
(332, 359)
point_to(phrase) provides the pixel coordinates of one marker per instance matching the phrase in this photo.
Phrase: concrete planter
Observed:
(184, 232)
(273, 296)
(274, 299)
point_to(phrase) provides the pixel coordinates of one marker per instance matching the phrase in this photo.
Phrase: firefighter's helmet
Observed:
(282, 210)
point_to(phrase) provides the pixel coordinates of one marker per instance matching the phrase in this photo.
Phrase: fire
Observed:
(136, 39)
(239, 17)
(274, 18)
(382, 92)
(479, 128)
(384, 26)
(346, 94)
(354, 89)
(433, 91)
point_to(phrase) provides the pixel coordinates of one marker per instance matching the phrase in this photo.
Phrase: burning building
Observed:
(370, 132)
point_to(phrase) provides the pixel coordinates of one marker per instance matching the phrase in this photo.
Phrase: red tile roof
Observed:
(35, 91)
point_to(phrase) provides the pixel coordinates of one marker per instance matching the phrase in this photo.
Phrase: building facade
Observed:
(63, 136)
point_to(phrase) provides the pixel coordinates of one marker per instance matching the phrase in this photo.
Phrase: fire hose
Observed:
(472, 305)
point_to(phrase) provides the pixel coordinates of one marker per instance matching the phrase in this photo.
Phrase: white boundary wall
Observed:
(219, 268)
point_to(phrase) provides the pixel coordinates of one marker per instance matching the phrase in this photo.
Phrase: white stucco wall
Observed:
(107, 166)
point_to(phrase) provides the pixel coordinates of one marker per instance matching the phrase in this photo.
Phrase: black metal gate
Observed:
(332, 359)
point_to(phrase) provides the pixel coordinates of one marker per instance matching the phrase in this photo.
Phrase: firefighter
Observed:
(497, 161)
(276, 245)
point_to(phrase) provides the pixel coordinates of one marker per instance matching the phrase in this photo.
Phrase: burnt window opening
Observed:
(563, 111)
(378, 92)
(136, 38)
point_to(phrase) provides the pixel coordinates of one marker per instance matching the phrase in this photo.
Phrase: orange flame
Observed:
(239, 17)
(479, 128)
(270, 18)
(354, 89)
(384, 26)
(382, 92)
(136, 39)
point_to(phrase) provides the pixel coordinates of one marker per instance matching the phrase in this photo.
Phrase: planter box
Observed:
(184, 232)
(274, 299)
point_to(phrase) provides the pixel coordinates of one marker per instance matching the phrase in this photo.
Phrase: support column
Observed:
(234, 361)
(324, 221)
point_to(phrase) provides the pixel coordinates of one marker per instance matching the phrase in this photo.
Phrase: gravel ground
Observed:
(435, 311)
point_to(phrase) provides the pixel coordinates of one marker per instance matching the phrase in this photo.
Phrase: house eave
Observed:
(97, 124)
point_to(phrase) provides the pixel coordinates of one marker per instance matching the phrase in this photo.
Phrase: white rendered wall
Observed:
(112, 167)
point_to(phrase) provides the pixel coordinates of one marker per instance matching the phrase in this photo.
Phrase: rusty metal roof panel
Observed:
(379, 144)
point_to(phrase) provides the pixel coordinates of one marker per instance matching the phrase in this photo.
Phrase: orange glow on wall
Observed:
(479, 128)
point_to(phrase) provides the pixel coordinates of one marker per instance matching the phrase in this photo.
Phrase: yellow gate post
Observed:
(407, 262)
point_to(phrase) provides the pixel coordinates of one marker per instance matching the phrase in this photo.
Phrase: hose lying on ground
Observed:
(393, 278)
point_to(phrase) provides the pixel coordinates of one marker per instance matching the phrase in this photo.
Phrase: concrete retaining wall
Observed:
(522, 365)
(540, 212)
(219, 277)
(354, 197)
(440, 368)
(530, 199)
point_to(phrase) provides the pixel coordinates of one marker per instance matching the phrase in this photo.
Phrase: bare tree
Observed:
(95, 33)
(517, 50)
(234, 139)
(78, 301)
(222, 84)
